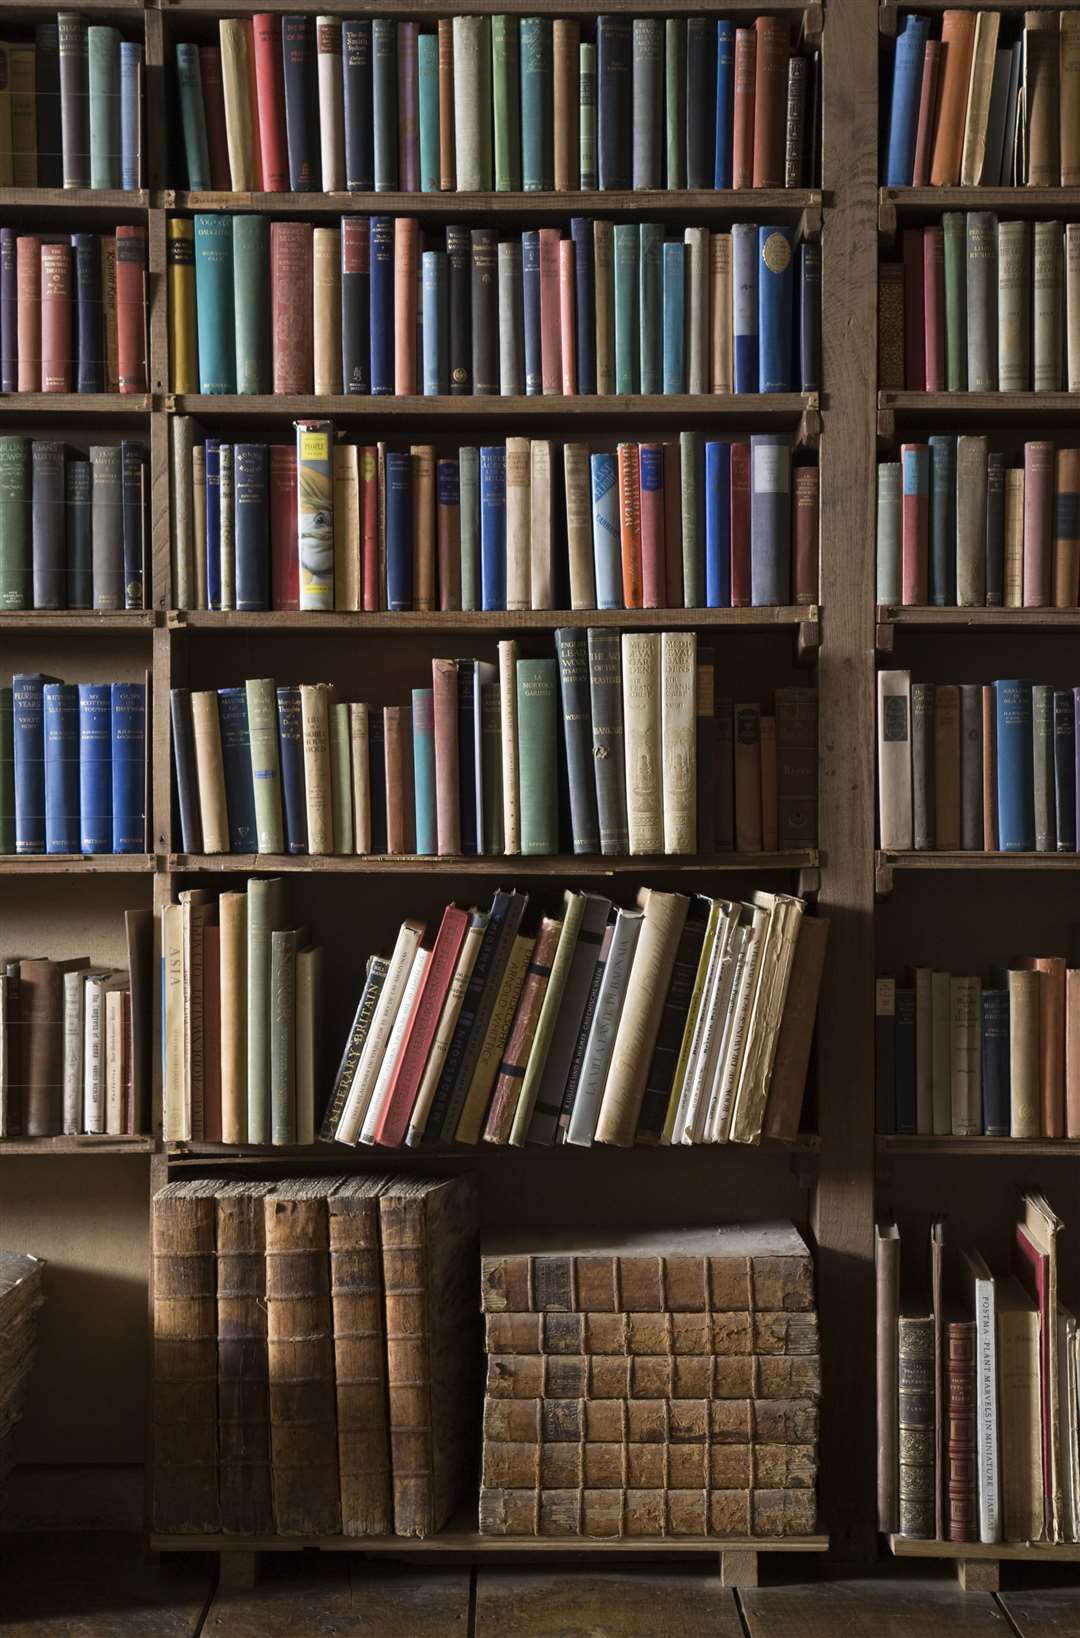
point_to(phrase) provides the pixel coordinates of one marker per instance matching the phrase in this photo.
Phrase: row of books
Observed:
(72, 525)
(977, 1386)
(304, 104)
(615, 747)
(72, 766)
(71, 107)
(525, 524)
(75, 1041)
(606, 1025)
(978, 767)
(978, 108)
(958, 526)
(960, 1056)
(73, 311)
(979, 305)
(260, 306)
(316, 1355)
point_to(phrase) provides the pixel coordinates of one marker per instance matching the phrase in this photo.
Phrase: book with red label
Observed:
(284, 541)
(420, 1031)
(550, 312)
(740, 526)
(915, 524)
(213, 93)
(57, 353)
(131, 309)
(515, 1058)
(292, 272)
(654, 589)
(630, 524)
(270, 101)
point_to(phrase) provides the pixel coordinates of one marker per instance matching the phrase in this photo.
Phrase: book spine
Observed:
(770, 462)
(536, 726)
(493, 526)
(473, 103)
(236, 765)
(516, 1055)
(653, 552)
(744, 278)
(718, 525)
(77, 501)
(1065, 764)
(128, 756)
(775, 302)
(537, 105)
(587, 138)
(447, 135)
(678, 734)
(614, 91)
(315, 514)
(447, 776)
(1047, 294)
(641, 674)
(315, 705)
(1015, 750)
(74, 99)
(810, 317)
(566, 118)
(106, 524)
(1039, 464)
(915, 1400)
(647, 46)
(903, 109)
(356, 76)
(573, 660)
(60, 711)
(745, 76)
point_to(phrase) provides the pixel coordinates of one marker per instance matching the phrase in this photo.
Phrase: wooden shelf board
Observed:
(509, 865)
(551, 406)
(752, 204)
(472, 1543)
(1035, 1552)
(1018, 1148)
(80, 201)
(84, 621)
(979, 861)
(87, 404)
(970, 407)
(77, 864)
(441, 8)
(1024, 201)
(83, 1144)
(410, 623)
(980, 619)
(338, 1154)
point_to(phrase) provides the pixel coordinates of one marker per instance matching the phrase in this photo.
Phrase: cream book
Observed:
(542, 580)
(678, 739)
(315, 701)
(894, 759)
(518, 524)
(382, 1023)
(643, 750)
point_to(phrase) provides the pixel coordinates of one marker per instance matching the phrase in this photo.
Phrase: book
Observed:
(184, 1350)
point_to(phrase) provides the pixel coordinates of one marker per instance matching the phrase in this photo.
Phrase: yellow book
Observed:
(474, 1109)
(23, 116)
(183, 332)
(327, 316)
(237, 75)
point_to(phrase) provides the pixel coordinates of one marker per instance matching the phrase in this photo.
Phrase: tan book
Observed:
(788, 1085)
(361, 777)
(977, 112)
(541, 526)
(331, 116)
(363, 1431)
(577, 486)
(196, 911)
(1072, 294)
(566, 51)
(422, 467)
(1014, 309)
(1072, 1052)
(721, 373)
(315, 701)
(604, 296)
(176, 1117)
(447, 161)
(183, 514)
(1069, 113)
(1042, 99)
(184, 1403)
(243, 1401)
(198, 498)
(762, 1028)
(327, 297)
(1065, 545)
(210, 771)
(1014, 538)
(678, 739)
(115, 1066)
(237, 74)
(1019, 1412)
(474, 1109)
(232, 912)
(894, 759)
(508, 738)
(642, 740)
(347, 566)
(518, 521)
(309, 965)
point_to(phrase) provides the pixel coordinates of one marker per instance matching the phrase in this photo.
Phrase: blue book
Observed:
(301, 103)
(423, 718)
(251, 528)
(95, 768)
(744, 303)
(1065, 770)
(134, 482)
(725, 93)
(213, 522)
(904, 106)
(717, 525)
(905, 1061)
(674, 380)
(810, 316)
(356, 304)
(428, 76)
(128, 767)
(943, 519)
(626, 257)
(192, 116)
(435, 333)
(581, 232)
(61, 718)
(607, 552)
(996, 1078)
(356, 94)
(28, 703)
(291, 756)
(1015, 766)
(89, 332)
(214, 302)
(236, 761)
(530, 310)
(399, 545)
(131, 78)
(382, 304)
(650, 338)
(493, 526)
(384, 103)
(770, 519)
(776, 286)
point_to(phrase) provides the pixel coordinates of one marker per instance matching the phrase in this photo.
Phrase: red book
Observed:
(1038, 523)
(270, 101)
(654, 586)
(406, 263)
(924, 129)
(740, 526)
(566, 316)
(914, 344)
(28, 311)
(292, 314)
(914, 526)
(369, 528)
(213, 96)
(284, 541)
(630, 524)
(212, 1132)
(807, 507)
(550, 312)
(444, 696)
(420, 1030)
(131, 309)
(673, 526)
(934, 308)
(408, 108)
(57, 361)
(742, 147)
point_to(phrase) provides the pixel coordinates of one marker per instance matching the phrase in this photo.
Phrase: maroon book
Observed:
(1038, 523)
(914, 321)
(408, 90)
(284, 543)
(924, 128)
(293, 329)
(57, 352)
(131, 309)
(806, 480)
(270, 101)
(213, 96)
(934, 308)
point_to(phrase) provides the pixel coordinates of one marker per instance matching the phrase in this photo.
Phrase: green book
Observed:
(265, 914)
(573, 911)
(536, 736)
(506, 97)
(626, 257)
(428, 79)
(7, 771)
(675, 101)
(955, 238)
(265, 764)
(251, 303)
(283, 947)
(16, 555)
(341, 779)
(537, 105)
(587, 159)
(649, 307)
(693, 520)
(103, 101)
(469, 526)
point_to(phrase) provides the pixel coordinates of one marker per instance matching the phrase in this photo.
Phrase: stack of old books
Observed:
(651, 1384)
(20, 1298)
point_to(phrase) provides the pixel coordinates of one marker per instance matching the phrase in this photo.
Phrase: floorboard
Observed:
(1054, 1614)
(628, 1603)
(331, 1595)
(892, 1607)
(98, 1586)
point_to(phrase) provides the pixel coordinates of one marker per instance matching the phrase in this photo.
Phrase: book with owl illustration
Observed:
(315, 513)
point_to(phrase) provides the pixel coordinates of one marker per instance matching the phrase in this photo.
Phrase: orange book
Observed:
(742, 148)
(1072, 1053)
(369, 528)
(566, 316)
(551, 353)
(1051, 970)
(957, 46)
(630, 523)
(406, 263)
(924, 128)
(651, 475)
(769, 808)
(566, 57)
(773, 48)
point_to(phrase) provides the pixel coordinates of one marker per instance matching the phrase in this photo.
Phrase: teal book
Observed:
(423, 720)
(506, 98)
(692, 473)
(214, 302)
(251, 303)
(469, 526)
(537, 105)
(626, 256)
(192, 116)
(7, 771)
(649, 286)
(103, 82)
(674, 318)
(537, 684)
(15, 523)
(428, 55)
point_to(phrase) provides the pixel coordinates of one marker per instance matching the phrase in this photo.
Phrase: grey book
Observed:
(549, 1097)
(106, 527)
(648, 76)
(923, 786)
(981, 284)
(605, 702)
(511, 321)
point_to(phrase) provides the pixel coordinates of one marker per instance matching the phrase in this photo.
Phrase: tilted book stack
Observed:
(650, 1384)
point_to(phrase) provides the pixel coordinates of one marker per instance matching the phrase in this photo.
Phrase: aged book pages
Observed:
(185, 1359)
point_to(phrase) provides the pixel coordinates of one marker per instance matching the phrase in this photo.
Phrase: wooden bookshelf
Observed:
(902, 1143)
(82, 1144)
(438, 622)
(559, 866)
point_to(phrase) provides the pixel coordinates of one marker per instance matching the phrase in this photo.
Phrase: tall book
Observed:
(360, 1355)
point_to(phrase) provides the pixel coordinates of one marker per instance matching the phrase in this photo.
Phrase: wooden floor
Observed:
(101, 1587)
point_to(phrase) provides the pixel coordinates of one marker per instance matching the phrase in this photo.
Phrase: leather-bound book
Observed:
(947, 766)
(916, 1397)
(131, 309)
(928, 100)
(961, 1514)
(770, 100)
(292, 275)
(356, 1292)
(958, 44)
(184, 1392)
(243, 1399)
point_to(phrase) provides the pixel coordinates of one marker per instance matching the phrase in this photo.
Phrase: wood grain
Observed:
(887, 1608)
(98, 1585)
(603, 1604)
(1052, 1614)
(343, 1597)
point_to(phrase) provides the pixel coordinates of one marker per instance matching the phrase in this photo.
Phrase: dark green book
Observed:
(626, 257)
(506, 96)
(537, 734)
(15, 531)
(537, 105)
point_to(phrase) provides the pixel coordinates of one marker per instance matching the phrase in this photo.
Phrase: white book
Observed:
(710, 1068)
(486, 675)
(751, 1089)
(605, 1023)
(518, 524)
(472, 103)
(642, 746)
(980, 1288)
(380, 1091)
(733, 1047)
(448, 1017)
(331, 103)
(1067, 1422)
(542, 586)
(708, 1024)
(508, 739)
(894, 759)
(114, 1056)
(385, 1015)
(1072, 305)
(74, 1025)
(93, 1119)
